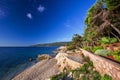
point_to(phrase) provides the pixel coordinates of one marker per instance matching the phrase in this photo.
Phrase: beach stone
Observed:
(43, 57)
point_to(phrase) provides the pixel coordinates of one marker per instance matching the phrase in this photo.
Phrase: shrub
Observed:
(113, 40)
(102, 52)
(107, 40)
(70, 47)
(116, 55)
(115, 52)
(106, 77)
(58, 76)
(96, 48)
(87, 48)
(104, 40)
(84, 78)
(96, 76)
(85, 72)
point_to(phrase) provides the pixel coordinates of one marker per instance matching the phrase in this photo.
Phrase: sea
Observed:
(14, 60)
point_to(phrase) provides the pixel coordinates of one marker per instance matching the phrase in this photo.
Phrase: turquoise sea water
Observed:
(13, 60)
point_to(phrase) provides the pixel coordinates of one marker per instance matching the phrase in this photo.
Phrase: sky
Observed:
(28, 22)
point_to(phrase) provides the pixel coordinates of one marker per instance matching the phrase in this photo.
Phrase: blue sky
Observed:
(27, 22)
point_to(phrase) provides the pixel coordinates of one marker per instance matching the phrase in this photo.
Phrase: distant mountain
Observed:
(51, 44)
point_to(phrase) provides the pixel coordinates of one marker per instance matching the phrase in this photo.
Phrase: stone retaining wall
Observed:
(104, 66)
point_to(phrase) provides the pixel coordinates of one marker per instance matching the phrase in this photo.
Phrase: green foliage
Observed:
(58, 76)
(116, 52)
(91, 12)
(113, 40)
(112, 3)
(85, 72)
(116, 55)
(84, 78)
(96, 48)
(107, 40)
(102, 52)
(106, 77)
(88, 21)
(96, 76)
(104, 40)
(90, 63)
(70, 46)
(76, 42)
(93, 21)
(87, 48)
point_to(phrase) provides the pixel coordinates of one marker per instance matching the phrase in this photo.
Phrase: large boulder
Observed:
(43, 57)
(64, 62)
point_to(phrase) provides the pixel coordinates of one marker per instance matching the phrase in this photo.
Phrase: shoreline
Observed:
(28, 66)
(20, 68)
(47, 68)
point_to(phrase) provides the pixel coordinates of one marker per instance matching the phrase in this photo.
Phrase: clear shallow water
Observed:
(15, 59)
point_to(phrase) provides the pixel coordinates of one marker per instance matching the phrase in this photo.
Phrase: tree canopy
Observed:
(102, 20)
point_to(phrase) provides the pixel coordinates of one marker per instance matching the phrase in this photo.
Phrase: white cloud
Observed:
(41, 8)
(29, 15)
(2, 14)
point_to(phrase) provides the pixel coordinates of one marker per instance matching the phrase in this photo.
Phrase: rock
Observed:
(62, 49)
(45, 69)
(55, 52)
(43, 57)
(65, 62)
(30, 59)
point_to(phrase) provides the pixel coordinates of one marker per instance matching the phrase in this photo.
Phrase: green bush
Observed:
(116, 55)
(70, 47)
(112, 3)
(115, 52)
(96, 48)
(113, 40)
(107, 40)
(85, 72)
(87, 48)
(96, 76)
(90, 63)
(106, 77)
(102, 52)
(84, 78)
(58, 76)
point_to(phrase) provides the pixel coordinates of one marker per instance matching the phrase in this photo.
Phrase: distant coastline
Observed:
(50, 44)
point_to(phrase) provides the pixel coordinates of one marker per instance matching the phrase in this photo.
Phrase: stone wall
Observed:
(104, 66)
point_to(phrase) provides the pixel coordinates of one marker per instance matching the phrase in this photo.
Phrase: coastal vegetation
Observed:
(85, 72)
(51, 44)
(102, 32)
(101, 37)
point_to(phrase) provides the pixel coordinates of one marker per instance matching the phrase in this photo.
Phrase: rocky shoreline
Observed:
(49, 67)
